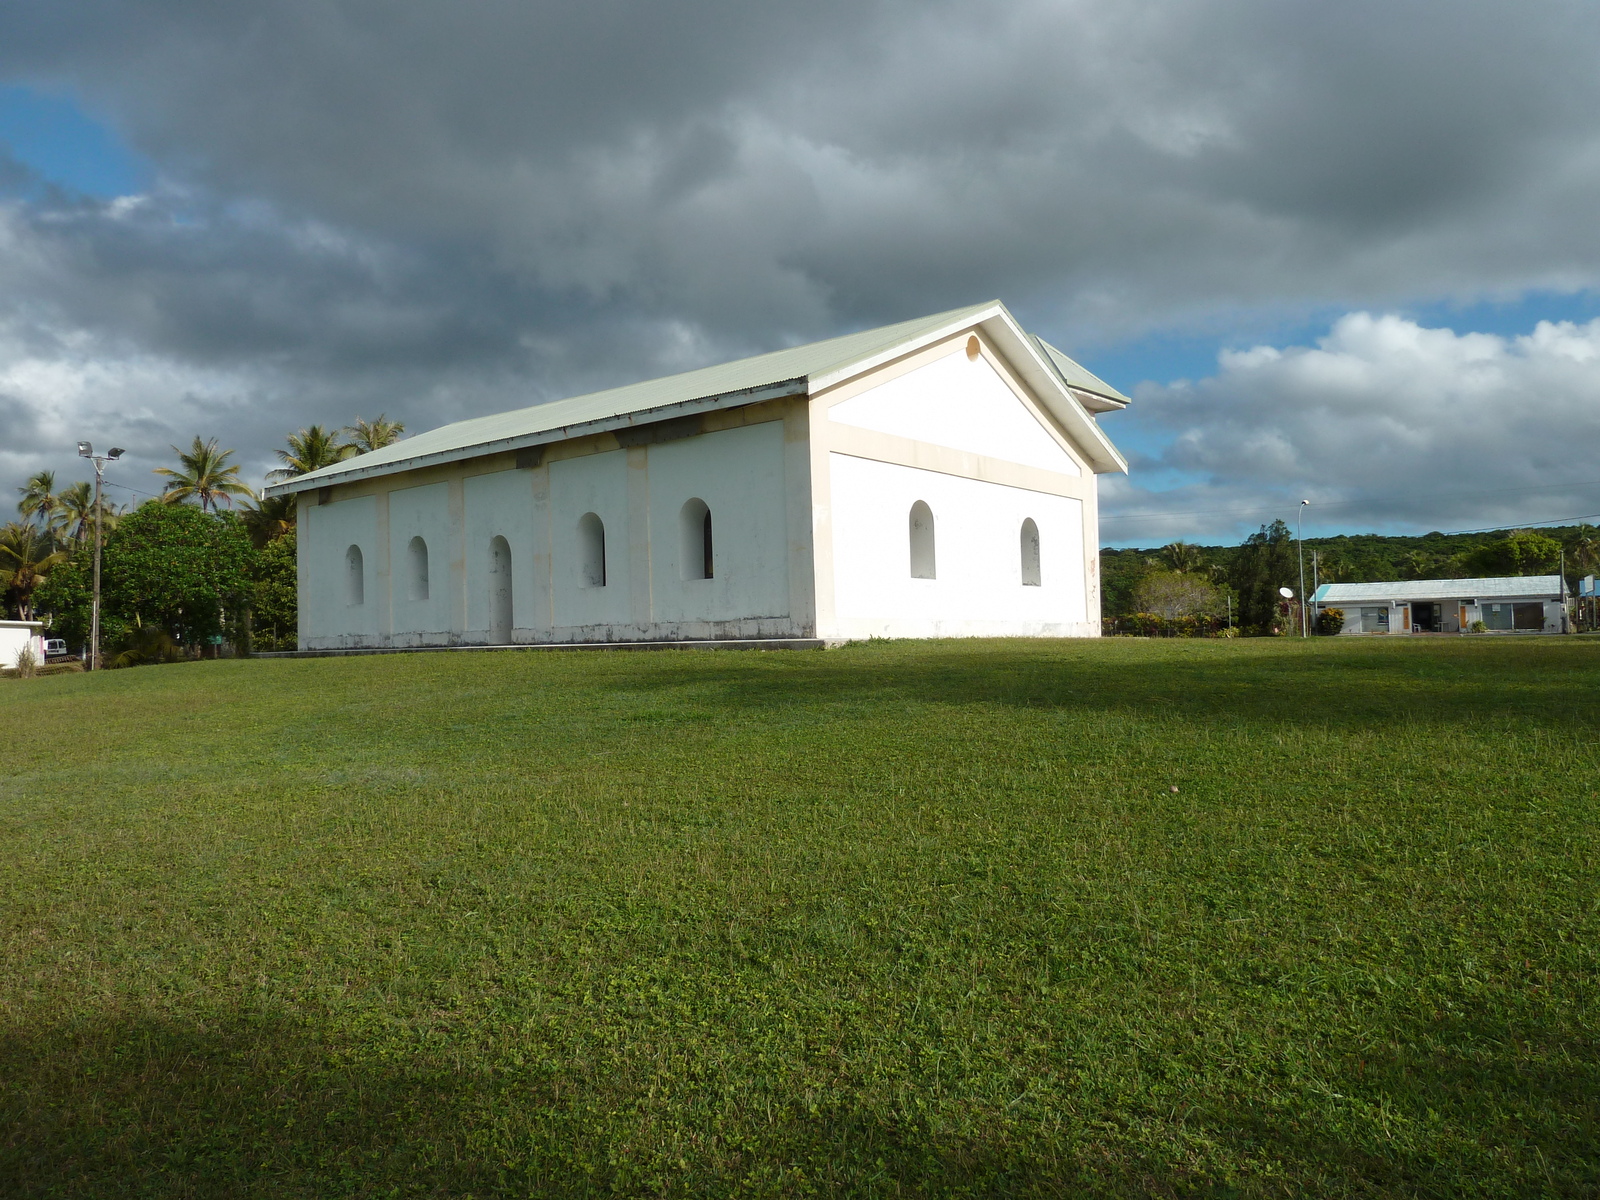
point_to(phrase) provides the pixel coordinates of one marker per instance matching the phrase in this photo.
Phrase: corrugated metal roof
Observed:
(1076, 375)
(1505, 587)
(783, 372)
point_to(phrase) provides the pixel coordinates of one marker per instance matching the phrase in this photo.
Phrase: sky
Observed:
(1346, 254)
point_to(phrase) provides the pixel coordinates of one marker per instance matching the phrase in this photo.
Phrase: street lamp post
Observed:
(1299, 536)
(85, 450)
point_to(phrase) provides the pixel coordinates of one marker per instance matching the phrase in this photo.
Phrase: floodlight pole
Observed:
(1299, 536)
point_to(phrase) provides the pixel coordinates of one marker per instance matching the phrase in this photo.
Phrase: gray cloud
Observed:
(435, 210)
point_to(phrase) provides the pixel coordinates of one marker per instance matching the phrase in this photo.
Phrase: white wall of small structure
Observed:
(810, 500)
(1452, 614)
(15, 636)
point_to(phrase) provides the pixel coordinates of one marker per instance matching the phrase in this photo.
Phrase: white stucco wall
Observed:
(329, 617)
(638, 492)
(978, 590)
(14, 635)
(503, 504)
(420, 512)
(596, 483)
(739, 474)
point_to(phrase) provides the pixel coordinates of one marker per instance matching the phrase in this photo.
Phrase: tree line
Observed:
(1182, 581)
(182, 574)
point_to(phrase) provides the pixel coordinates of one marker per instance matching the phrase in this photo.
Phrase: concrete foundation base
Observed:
(724, 644)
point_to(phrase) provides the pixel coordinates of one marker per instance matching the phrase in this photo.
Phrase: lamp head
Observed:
(85, 450)
(1305, 502)
(115, 453)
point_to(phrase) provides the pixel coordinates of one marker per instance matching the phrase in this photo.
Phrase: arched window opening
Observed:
(591, 550)
(355, 581)
(499, 591)
(1030, 554)
(695, 557)
(922, 556)
(417, 576)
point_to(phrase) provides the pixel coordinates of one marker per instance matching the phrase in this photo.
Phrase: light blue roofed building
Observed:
(1512, 604)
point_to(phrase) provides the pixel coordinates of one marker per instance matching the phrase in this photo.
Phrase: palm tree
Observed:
(77, 510)
(205, 476)
(1585, 550)
(39, 500)
(1181, 557)
(268, 520)
(26, 555)
(367, 436)
(310, 450)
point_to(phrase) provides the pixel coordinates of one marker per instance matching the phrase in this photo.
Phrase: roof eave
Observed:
(331, 476)
(1096, 402)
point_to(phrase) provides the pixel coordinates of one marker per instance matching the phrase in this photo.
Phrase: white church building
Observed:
(935, 478)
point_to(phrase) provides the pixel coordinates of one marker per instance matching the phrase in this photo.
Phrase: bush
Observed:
(27, 662)
(146, 644)
(1478, 627)
(1174, 595)
(1330, 620)
(1155, 625)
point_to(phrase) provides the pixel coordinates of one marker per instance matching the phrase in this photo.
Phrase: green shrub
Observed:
(1330, 620)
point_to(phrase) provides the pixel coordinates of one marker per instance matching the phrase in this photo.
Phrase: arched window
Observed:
(694, 522)
(591, 550)
(1030, 553)
(499, 591)
(417, 575)
(922, 557)
(355, 581)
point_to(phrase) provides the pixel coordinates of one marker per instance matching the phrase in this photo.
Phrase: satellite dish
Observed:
(1286, 593)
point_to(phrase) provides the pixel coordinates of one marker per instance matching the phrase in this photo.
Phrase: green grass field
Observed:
(1101, 918)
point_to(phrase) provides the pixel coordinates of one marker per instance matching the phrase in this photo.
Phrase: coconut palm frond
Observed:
(204, 474)
(367, 436)
(27, 554)
(268, 520)
(310, 450)
(39, 499)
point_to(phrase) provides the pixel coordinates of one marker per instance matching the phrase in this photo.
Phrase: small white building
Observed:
(1524, 604)
(15, 636)
(933, 478)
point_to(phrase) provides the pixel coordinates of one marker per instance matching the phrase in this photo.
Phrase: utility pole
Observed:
(85, 450)
(1316, 583)
(1299, 536)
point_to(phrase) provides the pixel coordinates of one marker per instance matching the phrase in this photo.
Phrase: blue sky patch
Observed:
(63, 145)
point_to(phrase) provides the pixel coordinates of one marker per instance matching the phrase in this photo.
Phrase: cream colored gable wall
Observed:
(964, 434)
(963, 403)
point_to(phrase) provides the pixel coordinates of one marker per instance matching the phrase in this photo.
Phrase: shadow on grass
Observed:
(1329, 686)
(264, 1108)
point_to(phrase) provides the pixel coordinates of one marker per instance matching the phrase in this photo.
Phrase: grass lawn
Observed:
(1058, 919)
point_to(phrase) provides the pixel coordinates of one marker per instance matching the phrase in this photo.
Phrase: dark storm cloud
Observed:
(440, 209)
